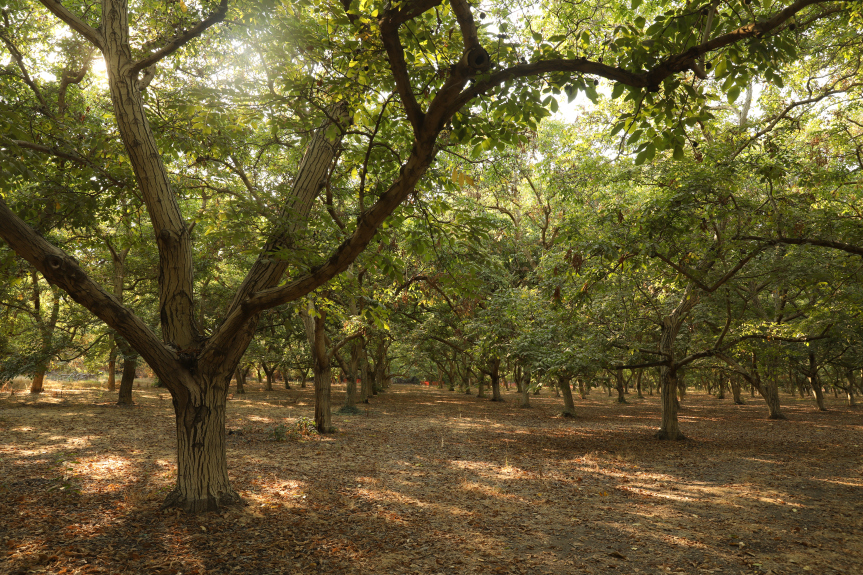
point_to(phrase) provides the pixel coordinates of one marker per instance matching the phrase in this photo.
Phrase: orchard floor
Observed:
(429, 481)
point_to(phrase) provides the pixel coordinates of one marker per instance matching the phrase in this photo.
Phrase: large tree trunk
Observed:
(566, 391)
(480, 385)
(202, 466)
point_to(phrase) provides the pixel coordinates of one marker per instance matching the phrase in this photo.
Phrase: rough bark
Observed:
(202, 466)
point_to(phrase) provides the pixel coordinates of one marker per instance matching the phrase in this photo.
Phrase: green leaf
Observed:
(733, 94)
(617, 91)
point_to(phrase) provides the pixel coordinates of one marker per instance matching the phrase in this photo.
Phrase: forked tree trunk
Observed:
(270, 373)
(671, 325)
(566, 391)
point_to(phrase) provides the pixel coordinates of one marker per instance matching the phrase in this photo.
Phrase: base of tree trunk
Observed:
(663, 435)
(777, 416)
(740, 402)
(498, 399)
(621, 400)
(567, 414)
(348, 410)
(175, 500)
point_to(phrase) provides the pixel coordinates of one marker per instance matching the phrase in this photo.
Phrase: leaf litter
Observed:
(428, 481)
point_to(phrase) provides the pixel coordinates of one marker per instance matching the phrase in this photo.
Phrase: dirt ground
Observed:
(434, 482)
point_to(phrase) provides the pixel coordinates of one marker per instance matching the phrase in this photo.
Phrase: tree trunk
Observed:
(241, 379)
(350, 405)
(720, 385)
(525, 388)
(494, 374)
(365, 395)
(638, 375)
(36, 385)
(270, 373)
(582, 390)
(112, 366)
(202, 466)
(815, 382)
(668, 373)
(314, 320)
(852, 383)
(285, 376)
(47, 326)
(618, 375)
(735, 390)
(566, 391)
(130, 364)
(480, 384)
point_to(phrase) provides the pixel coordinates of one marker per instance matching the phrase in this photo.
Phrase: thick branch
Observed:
(179, 41)
(63, 270)
(399, 67)
(842, 246)
(78, 25)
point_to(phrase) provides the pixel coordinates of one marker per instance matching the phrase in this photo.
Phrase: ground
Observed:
(428, 481)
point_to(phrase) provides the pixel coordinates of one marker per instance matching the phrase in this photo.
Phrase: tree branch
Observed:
(179, 41)
(91, 34)
(63, 271)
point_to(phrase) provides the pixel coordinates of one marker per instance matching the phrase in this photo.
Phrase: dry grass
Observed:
(427, 481)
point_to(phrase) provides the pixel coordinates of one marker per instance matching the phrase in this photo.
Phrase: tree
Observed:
(196, 366)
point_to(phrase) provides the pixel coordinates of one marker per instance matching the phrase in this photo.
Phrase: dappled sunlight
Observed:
(442, 485)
